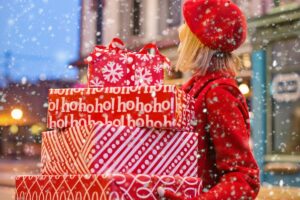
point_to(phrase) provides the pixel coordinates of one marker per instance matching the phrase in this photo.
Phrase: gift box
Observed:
(100, 149)
(163, 106)
(109, 187)
(115, 66)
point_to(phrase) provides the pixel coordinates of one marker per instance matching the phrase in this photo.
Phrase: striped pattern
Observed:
(104, 187)
(100, 149)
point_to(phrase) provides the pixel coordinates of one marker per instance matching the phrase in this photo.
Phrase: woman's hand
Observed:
(170, 195)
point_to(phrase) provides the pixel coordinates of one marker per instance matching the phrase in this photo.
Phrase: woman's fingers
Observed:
(167, 194)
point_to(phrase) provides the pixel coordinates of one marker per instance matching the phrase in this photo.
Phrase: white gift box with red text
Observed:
(164, 106)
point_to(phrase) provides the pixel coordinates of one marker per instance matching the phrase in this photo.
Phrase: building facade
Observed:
(276, 93)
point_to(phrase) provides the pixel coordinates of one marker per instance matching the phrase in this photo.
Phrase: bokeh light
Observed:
(17, 114)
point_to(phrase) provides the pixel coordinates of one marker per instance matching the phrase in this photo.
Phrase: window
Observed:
(285, 91)
(244, 78)
(174, 13)
(245, 6)
(136, 17)
(131, 20)
(169, 15)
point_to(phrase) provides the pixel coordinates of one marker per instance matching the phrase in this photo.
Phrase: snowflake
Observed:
(123, 58)
(159, 82)
(96, 82)
(112, 52)
(112, 72)
(157, 68)
(126, 59)
(143, 76)
(144, 57)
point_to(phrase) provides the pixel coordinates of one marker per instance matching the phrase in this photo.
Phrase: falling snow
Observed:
(44, 45)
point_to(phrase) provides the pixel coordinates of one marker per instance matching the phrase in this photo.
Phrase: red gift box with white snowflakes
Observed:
(105, 187)
(101, 149)
(115, 66)
(161, 106)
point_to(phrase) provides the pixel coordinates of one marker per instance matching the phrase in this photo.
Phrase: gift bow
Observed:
(117, 45)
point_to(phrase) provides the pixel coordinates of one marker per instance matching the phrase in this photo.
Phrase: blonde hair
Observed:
(195, 56)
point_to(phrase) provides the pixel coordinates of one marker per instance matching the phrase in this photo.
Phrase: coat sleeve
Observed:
(230, 134)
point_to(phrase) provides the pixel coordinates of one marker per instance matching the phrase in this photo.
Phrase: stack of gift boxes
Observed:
(123, 137)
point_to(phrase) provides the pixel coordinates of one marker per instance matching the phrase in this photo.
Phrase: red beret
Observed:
(219, 24)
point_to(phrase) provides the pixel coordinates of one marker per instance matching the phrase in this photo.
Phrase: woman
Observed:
(213, 29)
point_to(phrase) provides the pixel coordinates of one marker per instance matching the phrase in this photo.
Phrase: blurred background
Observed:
(43, 45)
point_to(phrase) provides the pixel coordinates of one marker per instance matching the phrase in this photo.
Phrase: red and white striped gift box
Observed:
(163, 106)
(100, 149)
(104, 187)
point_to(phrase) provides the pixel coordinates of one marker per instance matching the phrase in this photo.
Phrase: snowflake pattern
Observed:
(159, 82)
(124, 58)
(96, 82)
(157, 68)
(144, 57)
(112, 72)
(143, 76)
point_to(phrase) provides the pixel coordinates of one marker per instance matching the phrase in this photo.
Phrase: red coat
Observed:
(226, 162)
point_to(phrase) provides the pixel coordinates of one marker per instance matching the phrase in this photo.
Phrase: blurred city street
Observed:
(7, 193)
(47, 45)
